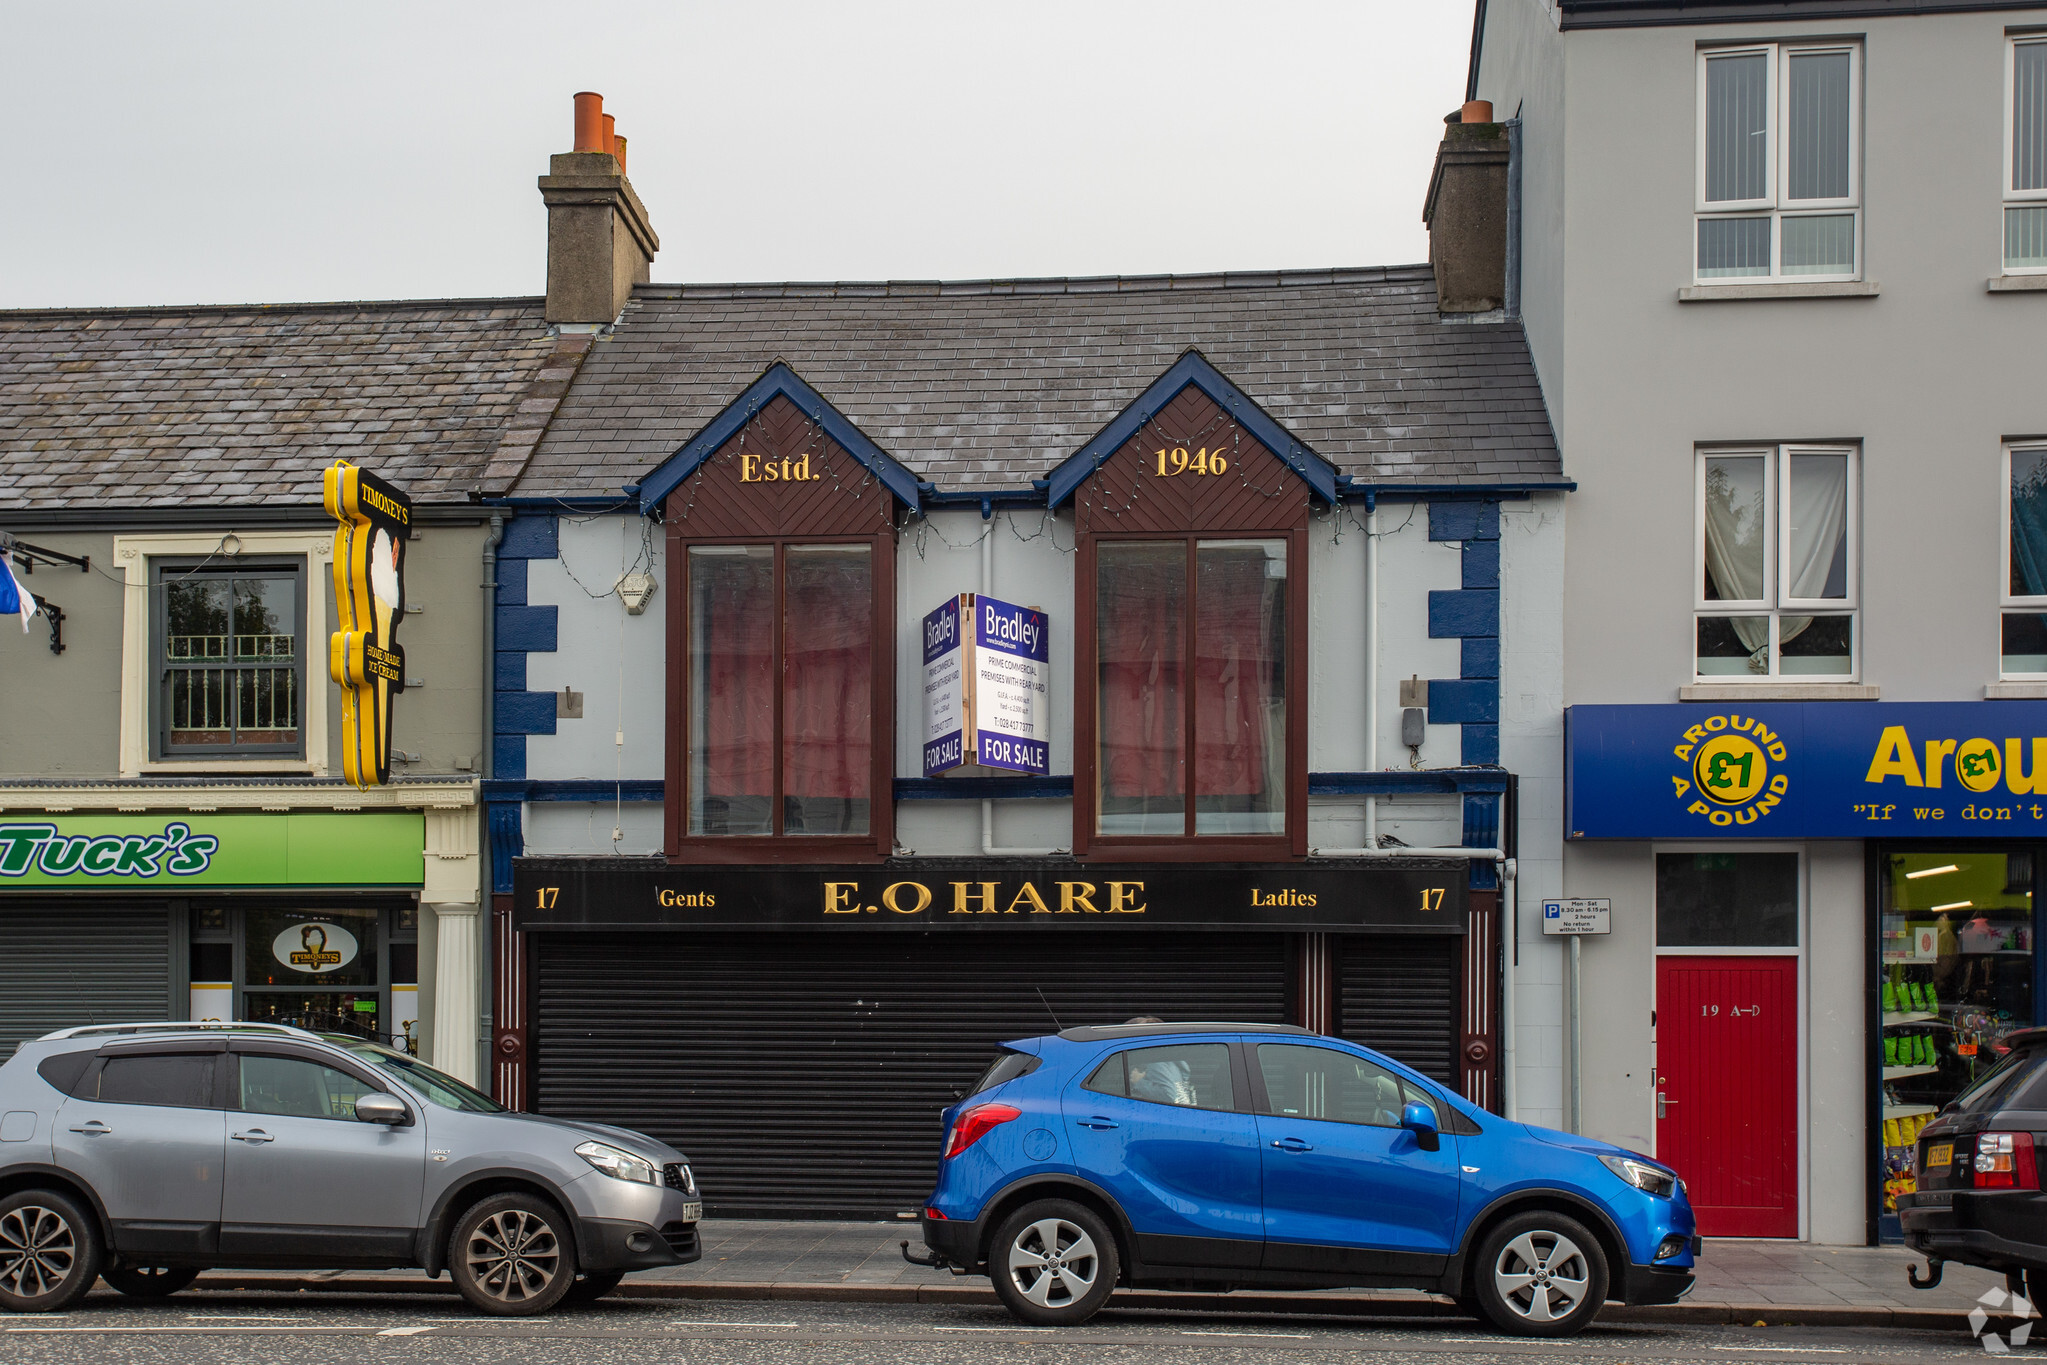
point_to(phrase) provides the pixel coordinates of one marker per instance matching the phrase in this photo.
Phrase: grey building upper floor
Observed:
(1781, 270)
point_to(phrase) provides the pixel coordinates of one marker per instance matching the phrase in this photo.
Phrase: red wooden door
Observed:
(1727, 1085)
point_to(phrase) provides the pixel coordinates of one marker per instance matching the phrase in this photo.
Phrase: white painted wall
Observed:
(617, 662)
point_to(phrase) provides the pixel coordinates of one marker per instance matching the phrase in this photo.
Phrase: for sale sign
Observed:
(987, 668)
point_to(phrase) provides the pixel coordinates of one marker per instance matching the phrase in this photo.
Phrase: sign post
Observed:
(1574, 919)
(364, 657)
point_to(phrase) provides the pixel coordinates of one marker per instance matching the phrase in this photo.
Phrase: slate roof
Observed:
(987, 385)
(245, 405)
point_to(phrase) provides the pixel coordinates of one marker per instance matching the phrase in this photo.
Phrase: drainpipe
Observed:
(1510, 1104)
(1372, 664)
(487, 765)
(988, 848)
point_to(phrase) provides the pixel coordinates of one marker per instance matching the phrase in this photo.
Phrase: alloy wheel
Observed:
(1542, 1276)
(514, 1255)
(1053, 1263)
(38, 1251)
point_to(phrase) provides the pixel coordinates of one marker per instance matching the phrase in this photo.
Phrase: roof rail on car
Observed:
(190, 1026)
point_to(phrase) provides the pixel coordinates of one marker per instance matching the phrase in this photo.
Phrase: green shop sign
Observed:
(310, 848)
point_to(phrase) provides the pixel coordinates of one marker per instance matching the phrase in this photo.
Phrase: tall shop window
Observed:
(230, 656)
(2025, 158)
(1191, 687)
(2023, 653)
(1778, 185)
(1776, 563)
(780, 676)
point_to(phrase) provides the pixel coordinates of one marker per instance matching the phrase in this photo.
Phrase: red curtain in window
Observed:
(1237, 669)
(827, 648)
(1140, 597)
(733, 677)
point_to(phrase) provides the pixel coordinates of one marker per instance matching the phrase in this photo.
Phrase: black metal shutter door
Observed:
(81, 964)
(803, 1073)
(1399, 996)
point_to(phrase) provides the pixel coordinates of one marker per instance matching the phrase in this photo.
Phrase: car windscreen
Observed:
(437, 1086)
(1998, 1087)
(1007, 1066)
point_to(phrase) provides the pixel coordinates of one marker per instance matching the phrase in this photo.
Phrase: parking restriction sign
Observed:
(1569, 918)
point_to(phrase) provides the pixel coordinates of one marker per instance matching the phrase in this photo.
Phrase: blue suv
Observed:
(1215, 1156)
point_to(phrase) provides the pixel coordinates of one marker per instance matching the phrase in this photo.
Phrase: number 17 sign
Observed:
(1568, 918)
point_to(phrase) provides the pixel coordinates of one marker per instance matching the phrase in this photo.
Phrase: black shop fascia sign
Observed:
(968, 896)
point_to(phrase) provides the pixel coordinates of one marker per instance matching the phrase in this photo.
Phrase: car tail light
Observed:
(2004, 1161)
(970, 1127)
(934, 1214)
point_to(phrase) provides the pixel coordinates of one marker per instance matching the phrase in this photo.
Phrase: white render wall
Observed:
(617, 662)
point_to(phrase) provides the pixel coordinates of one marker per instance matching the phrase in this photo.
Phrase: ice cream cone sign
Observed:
(374, 523)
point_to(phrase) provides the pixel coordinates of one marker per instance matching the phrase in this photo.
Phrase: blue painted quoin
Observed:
(1470, 614)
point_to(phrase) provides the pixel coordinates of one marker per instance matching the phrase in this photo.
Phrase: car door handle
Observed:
(1098, 1123)
(253, 1135)
(92, 1128)
(1291, 1145)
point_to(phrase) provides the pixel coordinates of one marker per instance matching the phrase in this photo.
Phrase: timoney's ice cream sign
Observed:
(986, 667)
(364, 657)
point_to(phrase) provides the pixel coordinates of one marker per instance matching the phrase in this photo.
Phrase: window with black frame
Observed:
(230, 654)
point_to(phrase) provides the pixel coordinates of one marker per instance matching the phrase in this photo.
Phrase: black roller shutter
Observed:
(1399, 995)
(81, 963)
(803, 1073)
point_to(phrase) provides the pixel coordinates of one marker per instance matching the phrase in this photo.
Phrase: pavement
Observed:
(1740, 1282)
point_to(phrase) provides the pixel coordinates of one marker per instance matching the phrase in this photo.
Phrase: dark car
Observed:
(1978, 1199)
(1226, 1155)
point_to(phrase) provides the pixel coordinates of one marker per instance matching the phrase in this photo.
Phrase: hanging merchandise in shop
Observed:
(986, 666)
(364, 656)
(1807, 770)
(297, 848)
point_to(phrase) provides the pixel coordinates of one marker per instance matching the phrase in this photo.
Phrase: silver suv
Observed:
(145, 1153)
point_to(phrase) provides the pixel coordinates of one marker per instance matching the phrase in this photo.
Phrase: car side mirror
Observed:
(1419, 1119)
(380, 1108)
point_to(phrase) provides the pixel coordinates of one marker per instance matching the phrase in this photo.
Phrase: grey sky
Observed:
(231, 152)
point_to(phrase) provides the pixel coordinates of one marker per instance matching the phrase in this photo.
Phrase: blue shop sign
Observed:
(1806, 770)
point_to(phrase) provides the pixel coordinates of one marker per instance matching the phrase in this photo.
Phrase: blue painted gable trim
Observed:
(1191, 368)
(779, 381)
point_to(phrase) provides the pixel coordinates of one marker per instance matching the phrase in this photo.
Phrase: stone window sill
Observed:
(2015, 284)
(1779, 691)
(2015, 691)
(1777, 289)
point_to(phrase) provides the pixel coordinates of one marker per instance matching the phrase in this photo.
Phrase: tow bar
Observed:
(1934, 1267)
(934, 1261)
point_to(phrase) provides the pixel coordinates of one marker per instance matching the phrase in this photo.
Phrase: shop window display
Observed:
(1957, 941)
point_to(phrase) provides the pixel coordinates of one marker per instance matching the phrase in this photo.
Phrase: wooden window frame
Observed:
(879, 841)
(1217, 848)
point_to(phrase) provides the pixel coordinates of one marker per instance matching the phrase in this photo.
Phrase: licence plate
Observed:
(1940, 1154)
(692, 1213)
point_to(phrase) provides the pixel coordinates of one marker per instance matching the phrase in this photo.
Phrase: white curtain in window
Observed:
(1737, 127)
(1817, 126)
(1818, 531)
(2029, 116)
(1735, 539)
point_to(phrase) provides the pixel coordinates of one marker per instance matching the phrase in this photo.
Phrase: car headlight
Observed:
(619, 1165)
(1649, 1179)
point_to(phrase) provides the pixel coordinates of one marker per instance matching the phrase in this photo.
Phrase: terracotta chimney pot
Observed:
(1475, 111)
(610, 135)
(589, 121)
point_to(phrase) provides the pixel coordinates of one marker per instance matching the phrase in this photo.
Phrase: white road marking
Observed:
(721, 1322)
(405, 1331)
(1202, 1332)
(129, 1331)
(995, 1329)
(242, 1317)
(1797, 1350)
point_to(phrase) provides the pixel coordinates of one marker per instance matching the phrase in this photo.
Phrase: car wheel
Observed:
(588, 1288)
(147, 1281)
(511, 1255)
(1053, 1263)
(50, 1252)
(1540, 1275)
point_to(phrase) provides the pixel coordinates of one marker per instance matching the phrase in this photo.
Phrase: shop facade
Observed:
(906, 702)
(1828, 912)
(307, 917)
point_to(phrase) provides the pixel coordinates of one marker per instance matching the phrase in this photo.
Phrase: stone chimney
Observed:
(1467, 212)
(598, 242)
